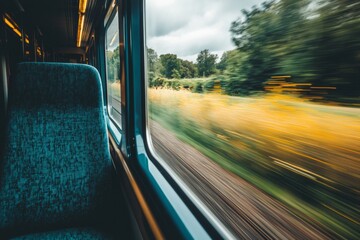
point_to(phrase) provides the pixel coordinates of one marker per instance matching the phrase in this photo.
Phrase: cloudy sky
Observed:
(185, 27)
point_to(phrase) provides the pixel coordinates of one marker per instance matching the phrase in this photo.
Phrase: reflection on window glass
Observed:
(28, 48)
(113, 70)
(255, 105)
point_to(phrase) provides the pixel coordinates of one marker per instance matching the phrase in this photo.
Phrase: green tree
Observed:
(206, 63)
(223, 62)
(275, 39)
(187, 69)
(109, 67)
(337, 53)
(113, 64)
(175, 74)
(152, 59)
(154, 65)
(169, 63)
(311, 41)
(236, 79)
(252, 37)
(294, 40)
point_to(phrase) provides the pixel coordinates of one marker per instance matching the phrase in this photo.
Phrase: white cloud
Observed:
(185, 27)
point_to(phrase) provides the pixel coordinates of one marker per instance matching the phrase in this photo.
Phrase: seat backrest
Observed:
(56, 169)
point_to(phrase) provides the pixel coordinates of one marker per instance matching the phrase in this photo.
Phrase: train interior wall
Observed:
(30, 47)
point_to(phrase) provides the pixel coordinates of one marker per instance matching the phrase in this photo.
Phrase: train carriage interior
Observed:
(153, 119)
(58, 198)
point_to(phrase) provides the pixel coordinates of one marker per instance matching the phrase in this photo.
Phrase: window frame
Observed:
(166, 188)
(211, 223)
(175, 214)
(116, 127)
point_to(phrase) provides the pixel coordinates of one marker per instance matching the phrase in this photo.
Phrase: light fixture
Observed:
(12, 24)
(82, 9)
(38, 50)
(8, 22)
(27, 39)
(17, 31)
(80, 29)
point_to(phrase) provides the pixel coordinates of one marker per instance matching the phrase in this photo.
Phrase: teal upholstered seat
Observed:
(71, 233)
(56, 172)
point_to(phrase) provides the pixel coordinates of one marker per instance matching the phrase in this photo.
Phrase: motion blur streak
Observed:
(303, 154)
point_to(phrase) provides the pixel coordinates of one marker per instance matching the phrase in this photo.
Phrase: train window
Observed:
(113, 69)
(255, 106)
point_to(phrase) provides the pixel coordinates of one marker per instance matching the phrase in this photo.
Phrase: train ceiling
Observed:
(58, 20)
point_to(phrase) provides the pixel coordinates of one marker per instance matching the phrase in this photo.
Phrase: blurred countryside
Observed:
(281, 110)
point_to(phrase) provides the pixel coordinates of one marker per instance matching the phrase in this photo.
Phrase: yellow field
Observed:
(295, 129)
(284, 135)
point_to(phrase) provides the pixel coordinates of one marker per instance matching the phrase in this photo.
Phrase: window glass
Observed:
(113, 70)
(255, 105)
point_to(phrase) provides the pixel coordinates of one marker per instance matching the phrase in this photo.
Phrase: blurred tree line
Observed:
(313, 41)
(113, 65)
(170, 66)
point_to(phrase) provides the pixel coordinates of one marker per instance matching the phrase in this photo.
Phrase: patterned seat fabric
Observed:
(56, 171)
(71, 233)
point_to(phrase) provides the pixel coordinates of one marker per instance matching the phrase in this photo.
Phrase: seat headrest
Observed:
(62, 84)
